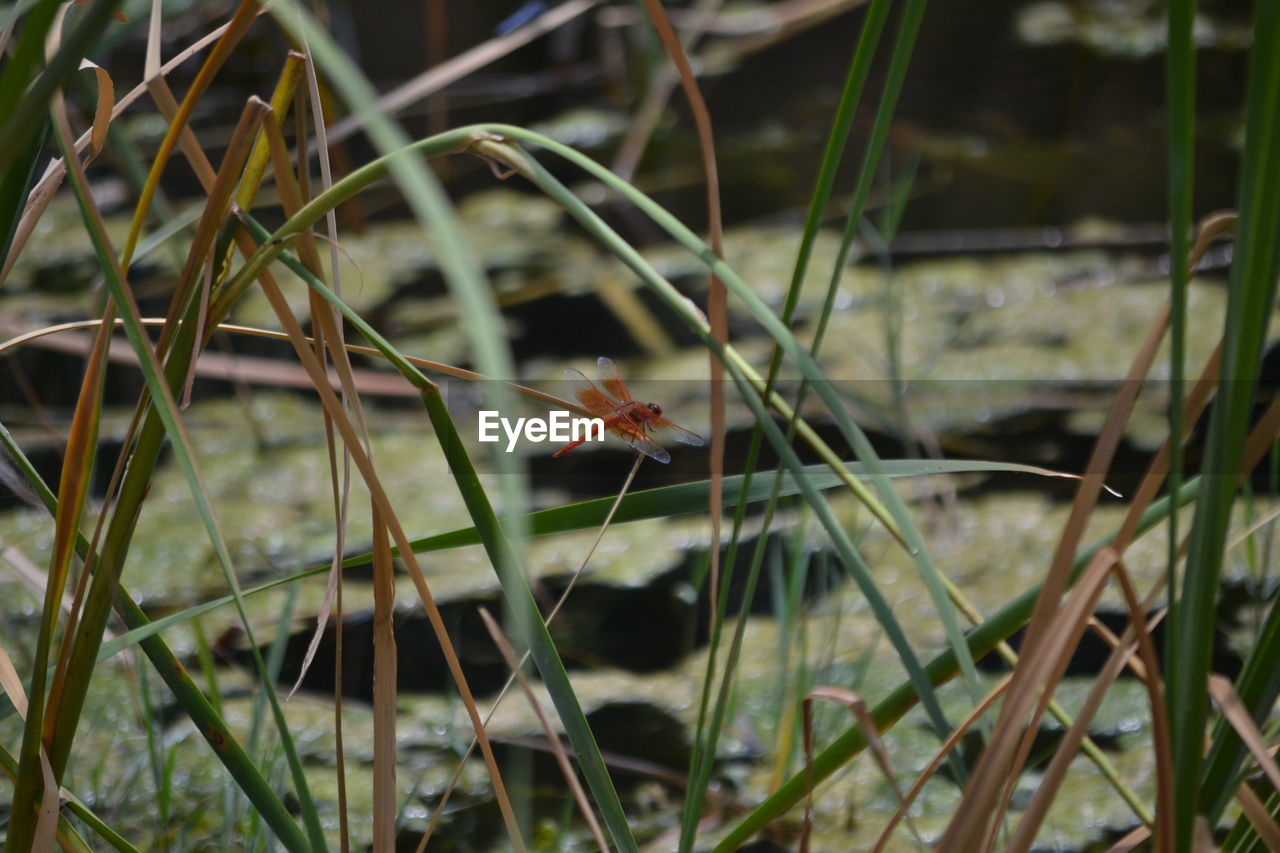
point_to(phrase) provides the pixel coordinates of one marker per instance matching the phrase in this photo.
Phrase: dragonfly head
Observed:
(654, 408)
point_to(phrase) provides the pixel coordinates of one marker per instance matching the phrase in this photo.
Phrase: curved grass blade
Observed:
(23, 103)
(744, 377)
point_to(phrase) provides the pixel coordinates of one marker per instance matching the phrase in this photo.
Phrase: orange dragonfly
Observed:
(629, 419)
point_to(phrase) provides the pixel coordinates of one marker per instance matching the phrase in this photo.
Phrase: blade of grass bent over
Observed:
(748, 381)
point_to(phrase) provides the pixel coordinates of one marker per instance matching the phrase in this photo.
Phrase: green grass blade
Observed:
(705, 735)
(529, 624)
(688, 498)
(1180, 95)
(1255, 265)
(15, 185)
(909, 28)
(664, 502)
(1258, 687)
(21, 67)
(850, 97)
(76, 807)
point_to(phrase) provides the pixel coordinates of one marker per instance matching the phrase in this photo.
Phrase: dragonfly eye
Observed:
(655, 408)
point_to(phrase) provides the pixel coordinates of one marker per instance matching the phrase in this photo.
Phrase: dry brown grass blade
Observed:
(102, 112)
(1135, 664)
(328, 339)
(1209, 229)
(196, 271)
(858, 707)
(940, 756)
(553, 739)
(1192, 410)
(385, 793)
(1049, 660)
(262, 371)
(1133, 840)
(29, 573)
(1055, 773)
(1202, 837)
(1257, 444)
(1264, 433)
(1090, 748)
(341, 480)
(1249, 532)
(178, 127)
(47, 824)
(1259, 816)
(661, 84)
(77, 468)
(717, 305)
(972, 827)
(249, 370)
(282, 96)
(1222, 691)
(73, 488)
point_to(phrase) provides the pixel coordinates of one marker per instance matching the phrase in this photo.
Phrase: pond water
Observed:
(1024, 275)
(1035, 341)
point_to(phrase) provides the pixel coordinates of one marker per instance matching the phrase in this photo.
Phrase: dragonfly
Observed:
(625, 417)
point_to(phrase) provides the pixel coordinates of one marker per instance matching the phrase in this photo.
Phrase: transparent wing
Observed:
(635, 435)
(611, 379)
(668, 431)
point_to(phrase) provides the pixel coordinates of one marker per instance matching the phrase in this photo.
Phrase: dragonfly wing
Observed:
(634, 431)
(669, 431)
(585, 392)
(641, 442)
(611, 379)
